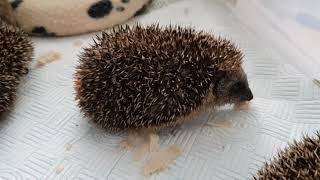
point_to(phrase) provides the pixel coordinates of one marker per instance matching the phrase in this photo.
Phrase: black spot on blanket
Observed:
(141, 11)
(42, 31)
(144, 9)
(15, 3)
(100, 9)
(125, 1)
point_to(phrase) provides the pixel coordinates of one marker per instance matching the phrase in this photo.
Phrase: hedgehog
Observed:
(16, 52)
(299, 161)
(150, 76)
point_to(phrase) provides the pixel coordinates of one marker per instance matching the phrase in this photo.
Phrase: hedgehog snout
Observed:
(247, 96)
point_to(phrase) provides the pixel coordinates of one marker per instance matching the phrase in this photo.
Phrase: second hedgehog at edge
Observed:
(136, 77)
(16, 51)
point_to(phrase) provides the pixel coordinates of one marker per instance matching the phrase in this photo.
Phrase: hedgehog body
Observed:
(15, 55)
(299, 161)
(16, 50)
(150, 76)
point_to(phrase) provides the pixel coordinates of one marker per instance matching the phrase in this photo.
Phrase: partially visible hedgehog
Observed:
(15, 55)
(300, 160)
(150, 76)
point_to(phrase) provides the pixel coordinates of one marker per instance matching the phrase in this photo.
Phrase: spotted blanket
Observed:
(70, 17)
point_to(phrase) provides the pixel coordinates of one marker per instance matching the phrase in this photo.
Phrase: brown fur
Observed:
(77, 86)
(208, 103)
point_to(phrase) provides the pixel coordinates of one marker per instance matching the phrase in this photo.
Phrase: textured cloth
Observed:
(70, 17)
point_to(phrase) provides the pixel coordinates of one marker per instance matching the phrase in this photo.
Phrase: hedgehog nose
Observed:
(248, 96)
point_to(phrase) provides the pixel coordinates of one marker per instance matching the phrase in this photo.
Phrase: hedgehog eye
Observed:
(220, 76)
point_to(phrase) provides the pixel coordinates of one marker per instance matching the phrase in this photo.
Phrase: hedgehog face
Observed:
(233, 88)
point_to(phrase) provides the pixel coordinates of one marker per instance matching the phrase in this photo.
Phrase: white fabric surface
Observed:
(46, 137)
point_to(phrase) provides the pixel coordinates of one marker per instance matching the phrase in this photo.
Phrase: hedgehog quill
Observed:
(142, 77)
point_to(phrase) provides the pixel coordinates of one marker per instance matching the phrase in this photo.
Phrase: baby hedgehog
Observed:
(151, 76)
(15, 55)
(298, 161)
